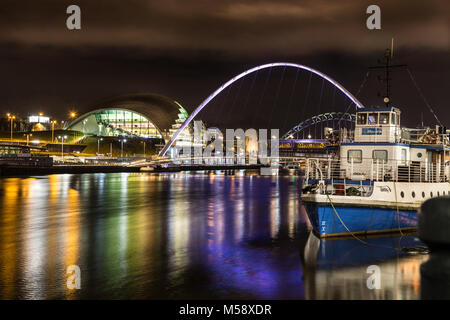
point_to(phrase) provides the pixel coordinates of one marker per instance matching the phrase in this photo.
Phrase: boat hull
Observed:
(329, 221)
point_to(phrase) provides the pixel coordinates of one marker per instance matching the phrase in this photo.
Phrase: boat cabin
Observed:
(383, 150)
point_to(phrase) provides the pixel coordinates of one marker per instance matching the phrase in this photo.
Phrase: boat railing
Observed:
(336, 176)
(424, 136)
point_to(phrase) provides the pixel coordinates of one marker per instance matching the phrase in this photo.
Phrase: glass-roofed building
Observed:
(137, 115)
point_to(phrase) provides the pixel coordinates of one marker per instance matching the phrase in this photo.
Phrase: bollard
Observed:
(434, 230)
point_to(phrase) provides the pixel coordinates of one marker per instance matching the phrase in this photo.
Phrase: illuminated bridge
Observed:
(340, 118)
(318, 123)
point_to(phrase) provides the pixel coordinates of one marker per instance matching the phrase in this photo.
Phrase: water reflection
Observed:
(150, 236)
(177, 236)
(338, 269)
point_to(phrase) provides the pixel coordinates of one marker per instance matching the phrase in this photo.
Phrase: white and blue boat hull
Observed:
(391, 207)
(358, 220)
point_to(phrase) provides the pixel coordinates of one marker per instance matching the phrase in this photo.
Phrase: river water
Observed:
(184, 236)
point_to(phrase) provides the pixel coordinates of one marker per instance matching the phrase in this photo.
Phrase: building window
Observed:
(384, 118)
(356, 155)
(362, 118)
(379, 155)
(373, 118)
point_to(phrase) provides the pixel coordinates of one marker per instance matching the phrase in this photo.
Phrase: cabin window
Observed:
(397, 117)
(362, 118)
(380, 155)
(373, 118)
(392, 118)
(384, 118)
(356, 155)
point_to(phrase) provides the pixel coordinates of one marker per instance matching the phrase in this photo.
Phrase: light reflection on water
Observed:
(169, 236)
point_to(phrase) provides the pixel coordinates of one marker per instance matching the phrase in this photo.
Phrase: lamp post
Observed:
(98, 145)
(53, 130)
(62, 145)
(144, 146)
(121, 147)
(28, 135)
(11, 117)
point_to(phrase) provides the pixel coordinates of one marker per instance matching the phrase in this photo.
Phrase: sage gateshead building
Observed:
(132, 116)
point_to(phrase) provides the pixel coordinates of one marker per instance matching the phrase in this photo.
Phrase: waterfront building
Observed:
(149, 116)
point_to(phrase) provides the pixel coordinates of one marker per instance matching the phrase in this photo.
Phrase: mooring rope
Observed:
(344, 225)
(353, 234)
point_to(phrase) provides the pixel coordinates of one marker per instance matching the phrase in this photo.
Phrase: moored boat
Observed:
(379, 178)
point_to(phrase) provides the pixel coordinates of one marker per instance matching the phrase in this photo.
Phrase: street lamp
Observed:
(53, 130)
(28, 135)
(121, 147)
(62, 145)
(144, 146)
(98, 145)
(11, 117)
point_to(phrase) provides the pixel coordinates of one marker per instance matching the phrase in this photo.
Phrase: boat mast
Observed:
(387, 72)
(387, 58)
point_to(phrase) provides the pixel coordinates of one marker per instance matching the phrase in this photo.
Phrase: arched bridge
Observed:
(244, 74)
(321, 118)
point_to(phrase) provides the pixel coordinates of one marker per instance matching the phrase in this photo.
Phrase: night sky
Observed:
(186, 49)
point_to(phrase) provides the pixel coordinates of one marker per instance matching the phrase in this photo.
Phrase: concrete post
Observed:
(434, 226)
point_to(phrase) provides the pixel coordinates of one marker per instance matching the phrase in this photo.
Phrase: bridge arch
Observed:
(329, 116)
(249, 71)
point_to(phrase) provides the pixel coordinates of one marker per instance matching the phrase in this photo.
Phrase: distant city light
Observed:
(38, 119)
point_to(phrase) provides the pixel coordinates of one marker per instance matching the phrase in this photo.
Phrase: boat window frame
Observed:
(383, 150)
(375, 119)
(359, 116)
(384, 114)
(354, 159)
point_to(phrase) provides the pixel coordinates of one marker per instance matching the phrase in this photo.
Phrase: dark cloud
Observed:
(186, 49)
(233, 26)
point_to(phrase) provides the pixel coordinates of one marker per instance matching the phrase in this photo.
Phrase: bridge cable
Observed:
(222, 104)
(235, 98)
(363, 83)
(320, 104)
(290, 98)
(262, 95)
(250, 90)
(306, 97)
(276, 97)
